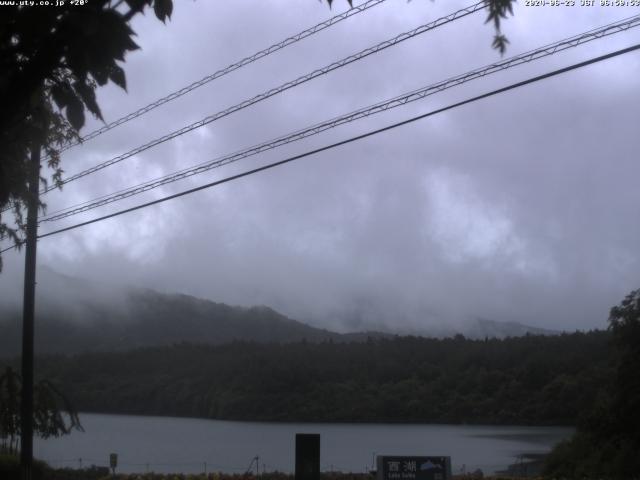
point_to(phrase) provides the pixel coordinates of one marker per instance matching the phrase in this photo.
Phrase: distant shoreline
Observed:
(325, 422)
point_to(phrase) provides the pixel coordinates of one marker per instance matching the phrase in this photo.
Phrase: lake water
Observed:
(188, 445)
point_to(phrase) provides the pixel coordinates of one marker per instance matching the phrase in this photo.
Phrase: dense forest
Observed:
(607, 440)
(528, 380)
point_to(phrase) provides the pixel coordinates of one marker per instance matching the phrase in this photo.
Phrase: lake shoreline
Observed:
(11, 471)
(175, 444)
(333, 422)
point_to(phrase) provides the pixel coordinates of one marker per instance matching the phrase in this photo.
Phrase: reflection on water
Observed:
(189, 445)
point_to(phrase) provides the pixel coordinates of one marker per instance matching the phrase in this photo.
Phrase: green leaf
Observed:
(330, 2)
(163, 9)
(75, 112)
(59, 95)
(101, 75)
(500, 43)
(498, 9)
(118, 77)
(115, 36)
(88, 96)
(137, 5)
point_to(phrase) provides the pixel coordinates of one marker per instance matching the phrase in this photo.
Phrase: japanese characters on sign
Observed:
(413, 468)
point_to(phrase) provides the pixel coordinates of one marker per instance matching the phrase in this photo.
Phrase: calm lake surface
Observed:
(163, 444)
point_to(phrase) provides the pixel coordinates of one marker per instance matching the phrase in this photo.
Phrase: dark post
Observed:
(28, 310)
(307, 456)
(113, 463)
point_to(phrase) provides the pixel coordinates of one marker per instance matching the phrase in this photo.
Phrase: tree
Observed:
(52, 60)
(53, 414)
(624, 323)
(607, 440)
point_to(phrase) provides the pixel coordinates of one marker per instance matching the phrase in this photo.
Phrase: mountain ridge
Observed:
(83, 316)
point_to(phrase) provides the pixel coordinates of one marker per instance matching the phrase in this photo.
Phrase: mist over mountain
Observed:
(93, 317)
(74, 315)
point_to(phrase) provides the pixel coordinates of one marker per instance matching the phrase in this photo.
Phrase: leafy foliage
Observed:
(52, 60)
(624, 323)
(9, 409)
(608, 438)
(53, 414)
(330, 2)
(528, 380)
(498, 11)
(10, 469)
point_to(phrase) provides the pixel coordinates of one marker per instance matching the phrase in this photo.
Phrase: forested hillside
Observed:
(141, 318)
(526, 380)
(81, 316)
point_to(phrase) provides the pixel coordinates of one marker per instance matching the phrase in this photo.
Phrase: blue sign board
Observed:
(413, 468)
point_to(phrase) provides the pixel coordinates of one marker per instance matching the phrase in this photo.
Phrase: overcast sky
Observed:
(520, 207)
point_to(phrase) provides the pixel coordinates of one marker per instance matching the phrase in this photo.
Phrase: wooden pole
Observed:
(28, 311)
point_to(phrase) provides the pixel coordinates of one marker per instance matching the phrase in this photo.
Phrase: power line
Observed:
(404, 99)
(15, 245)
(343, 142)
(274, 91)
(230, 68)
(350, 140)
(209, 78)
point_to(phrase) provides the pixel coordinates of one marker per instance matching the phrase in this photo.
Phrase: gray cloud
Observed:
(521, 207)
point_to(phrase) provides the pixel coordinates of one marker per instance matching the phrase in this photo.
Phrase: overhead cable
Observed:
(230, 68)
(404, 99)
(347, 141)
(274, 91)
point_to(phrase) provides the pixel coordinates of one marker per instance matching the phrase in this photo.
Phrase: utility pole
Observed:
(28, 311)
